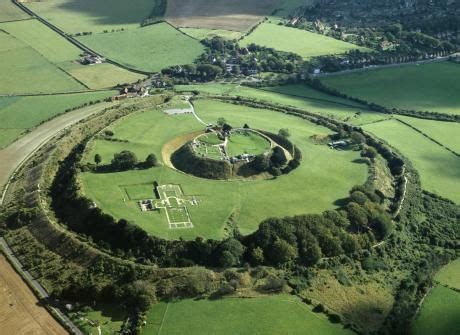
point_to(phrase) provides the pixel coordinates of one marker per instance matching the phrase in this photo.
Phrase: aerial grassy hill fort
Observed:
(229, 167)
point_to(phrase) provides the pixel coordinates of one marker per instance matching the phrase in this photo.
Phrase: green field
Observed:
(446, 133)
(24, 70)
(75, 16)
(311, 188)
(17, 114)
(44, 40)
(11, 12)
(109, 317)
(41, 61)
(151, 48)
(210, 139)
(299, 96)
(429, 87)
(282, 314)
(449, 275)
(301, 42)
(248, 143)
(100, 76)
(439, 169)
(439, 313)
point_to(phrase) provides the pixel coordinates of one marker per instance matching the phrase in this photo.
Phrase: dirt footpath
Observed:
(19, 309)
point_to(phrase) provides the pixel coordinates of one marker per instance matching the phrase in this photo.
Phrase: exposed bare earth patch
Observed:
(237, 15)
(19, 309)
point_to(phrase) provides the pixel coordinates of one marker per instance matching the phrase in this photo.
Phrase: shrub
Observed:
(151, 161)
(125, 160)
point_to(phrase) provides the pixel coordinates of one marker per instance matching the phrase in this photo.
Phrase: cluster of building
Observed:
(91, 59)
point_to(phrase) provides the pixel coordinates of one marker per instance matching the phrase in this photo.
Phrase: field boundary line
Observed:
(17, 20)
(74, 41)
(428, 137)
(315, 99)
(383, 66)
(6, 95)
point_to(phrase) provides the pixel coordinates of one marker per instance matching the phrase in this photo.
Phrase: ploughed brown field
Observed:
(238, 15)
(20, 312)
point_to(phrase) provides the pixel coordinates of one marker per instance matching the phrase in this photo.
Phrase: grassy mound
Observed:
(311, 188)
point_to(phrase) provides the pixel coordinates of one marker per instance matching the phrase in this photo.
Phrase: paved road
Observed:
(12, 156)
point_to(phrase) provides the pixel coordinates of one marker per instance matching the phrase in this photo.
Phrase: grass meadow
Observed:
(449, 275)
(250, 143)
(41, 61)
(110, 318)
(313, 187)
(439, 169)
(150, 48)
(278, 314)
(11, 12)
(75, 16)
(100, 76)
(304, 43)
(446, 133)
(25, 70)
(430, 87)
(17, 114)
(439, 313)
(299, 96)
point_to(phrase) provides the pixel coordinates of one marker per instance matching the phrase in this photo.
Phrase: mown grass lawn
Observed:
(299, 96)
(280, 314)
(304, 43)
(324, 176)
(439, 313)
(439, 169)
(249, 143)
(429, 87)
(150, 48)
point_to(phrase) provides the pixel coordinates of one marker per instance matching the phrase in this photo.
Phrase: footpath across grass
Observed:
(299, 96)
(279, 314)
